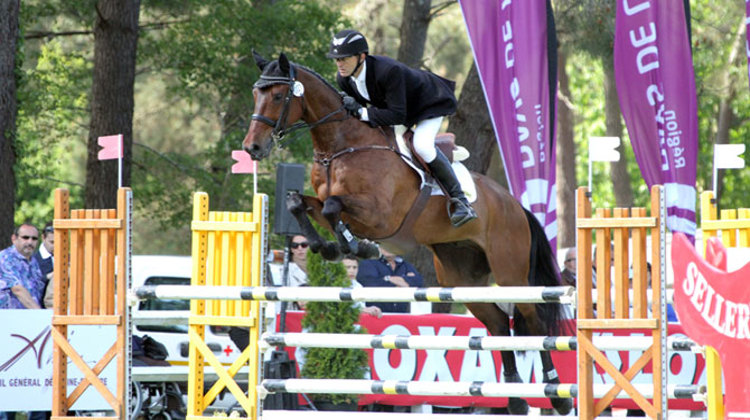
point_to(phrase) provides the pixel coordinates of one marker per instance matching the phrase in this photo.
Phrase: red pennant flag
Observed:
(244, 165)
(111, 147)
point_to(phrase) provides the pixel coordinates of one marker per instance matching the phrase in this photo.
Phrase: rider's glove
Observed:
(352, 106)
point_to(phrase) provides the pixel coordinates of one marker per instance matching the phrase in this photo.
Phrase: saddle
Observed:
(402, 239)
(446, 142)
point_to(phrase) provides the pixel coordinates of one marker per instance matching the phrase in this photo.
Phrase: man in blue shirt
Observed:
(21, 284)
(388, 271)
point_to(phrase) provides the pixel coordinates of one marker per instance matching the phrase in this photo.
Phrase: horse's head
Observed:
(274, 93)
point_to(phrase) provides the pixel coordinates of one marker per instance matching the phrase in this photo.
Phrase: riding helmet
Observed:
(347, 43)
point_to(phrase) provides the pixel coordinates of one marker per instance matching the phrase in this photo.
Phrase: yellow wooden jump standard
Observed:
(615, 228)
(228, 249)
(88, 293)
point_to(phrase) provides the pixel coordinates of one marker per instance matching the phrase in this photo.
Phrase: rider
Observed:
(385, 92)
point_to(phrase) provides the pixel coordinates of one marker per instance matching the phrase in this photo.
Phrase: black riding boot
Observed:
(459, 208)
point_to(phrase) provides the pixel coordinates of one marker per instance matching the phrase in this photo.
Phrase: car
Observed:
(150, 317)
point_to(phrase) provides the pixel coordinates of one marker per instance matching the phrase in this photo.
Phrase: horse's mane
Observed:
(321, 78)
(273, 69)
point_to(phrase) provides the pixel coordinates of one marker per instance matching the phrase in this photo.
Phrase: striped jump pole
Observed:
(457, 389)
(556, 294)
(518, 343)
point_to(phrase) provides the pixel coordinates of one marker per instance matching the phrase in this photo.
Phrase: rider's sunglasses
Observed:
(296, 245)
(27, 237)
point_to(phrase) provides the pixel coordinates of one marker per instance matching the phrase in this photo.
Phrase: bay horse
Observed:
(364, 190)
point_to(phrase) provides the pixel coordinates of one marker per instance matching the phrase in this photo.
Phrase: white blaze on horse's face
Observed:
(268, 103)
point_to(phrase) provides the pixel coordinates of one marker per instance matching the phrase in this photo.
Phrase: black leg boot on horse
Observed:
(459, 209)
(328, 249)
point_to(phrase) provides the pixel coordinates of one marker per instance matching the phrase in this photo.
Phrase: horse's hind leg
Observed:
(508, 270)
(298, 206)
(498, 324)
(534, 326)
(332, 208)
(466, 265)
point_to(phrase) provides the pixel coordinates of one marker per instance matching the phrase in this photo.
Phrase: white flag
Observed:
(604, 149)
(727, 156)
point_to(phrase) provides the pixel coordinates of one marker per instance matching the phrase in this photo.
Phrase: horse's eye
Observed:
(277, 97)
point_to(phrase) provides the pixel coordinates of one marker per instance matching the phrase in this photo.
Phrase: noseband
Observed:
(280, 128)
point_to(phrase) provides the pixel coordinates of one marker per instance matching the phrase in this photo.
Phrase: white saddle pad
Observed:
(463, 174)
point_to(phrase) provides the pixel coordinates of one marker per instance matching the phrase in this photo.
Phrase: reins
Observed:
(280, 130)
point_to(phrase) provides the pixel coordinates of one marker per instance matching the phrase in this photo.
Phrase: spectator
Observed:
(352, 267)
(44, 257)
(21, 284)
(389, 271)
(568, 274)
(298, 265)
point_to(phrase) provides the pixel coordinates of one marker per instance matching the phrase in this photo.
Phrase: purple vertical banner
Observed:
(511, 42)
(747, 35)
(656, 86)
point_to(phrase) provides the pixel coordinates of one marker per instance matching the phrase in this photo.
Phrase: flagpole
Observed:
(119, 163)
(255, 178)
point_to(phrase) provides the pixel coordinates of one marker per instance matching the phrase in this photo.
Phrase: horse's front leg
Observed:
(332, 209)
(299, 207)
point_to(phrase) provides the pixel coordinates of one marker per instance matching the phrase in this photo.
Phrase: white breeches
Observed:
(424, 138)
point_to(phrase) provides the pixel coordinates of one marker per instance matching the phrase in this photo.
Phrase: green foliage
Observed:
(210, 58)
(332, 317)
(52, 111)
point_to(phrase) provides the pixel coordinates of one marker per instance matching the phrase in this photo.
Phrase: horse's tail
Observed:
(543, 271)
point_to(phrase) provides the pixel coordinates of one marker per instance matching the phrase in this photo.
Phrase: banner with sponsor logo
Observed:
(656, 86)
(685, 367)
(26, 361)
(515, 50)
(713, 303)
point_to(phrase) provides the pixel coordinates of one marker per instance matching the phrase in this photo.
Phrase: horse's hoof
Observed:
(562, 405)
(294, 203)
(330, 251)
(367, 250)
(518, 406)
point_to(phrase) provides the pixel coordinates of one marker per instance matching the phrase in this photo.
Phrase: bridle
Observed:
(280, 129)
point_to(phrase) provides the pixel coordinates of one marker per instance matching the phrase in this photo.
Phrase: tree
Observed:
(588, 26)
(328, 318)
(414, 24)
(566, 156)
(9, 34)
(112, 103)
(618, 169)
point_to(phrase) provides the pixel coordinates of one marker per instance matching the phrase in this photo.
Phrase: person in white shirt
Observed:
(352, 266)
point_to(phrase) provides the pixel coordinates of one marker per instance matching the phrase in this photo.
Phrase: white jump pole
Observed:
(518, 343)
(458, 389)
(555, 294)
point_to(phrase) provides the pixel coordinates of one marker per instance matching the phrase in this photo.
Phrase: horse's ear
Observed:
(284, 63)
(259, 60)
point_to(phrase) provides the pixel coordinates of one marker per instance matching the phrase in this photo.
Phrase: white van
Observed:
(152, 270)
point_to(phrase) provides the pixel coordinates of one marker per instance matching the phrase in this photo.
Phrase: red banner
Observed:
(713, 304)
(685, 367)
